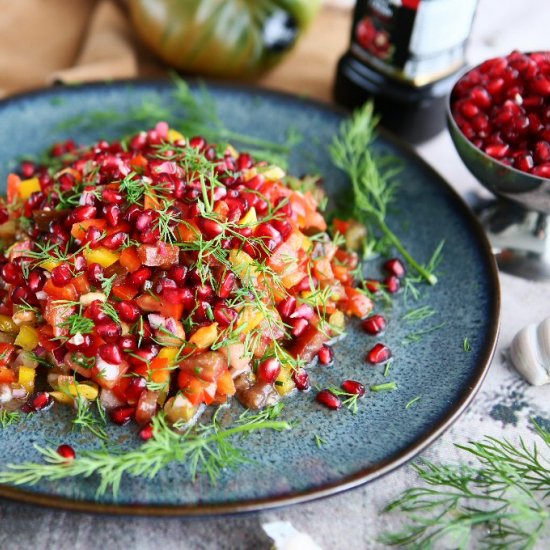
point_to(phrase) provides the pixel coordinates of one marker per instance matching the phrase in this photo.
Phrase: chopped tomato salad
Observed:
(165, 274)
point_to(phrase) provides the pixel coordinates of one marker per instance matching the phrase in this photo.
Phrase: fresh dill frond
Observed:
(502, 502)
(319, 441)
(418, 335)
(86, 420)
(373, 182)
(205, 450)
(412, 401)
(466, 345)
(418, 314)
(388, 386)
(7, 418)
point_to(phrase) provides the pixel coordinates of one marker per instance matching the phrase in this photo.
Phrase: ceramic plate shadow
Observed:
(289, 467)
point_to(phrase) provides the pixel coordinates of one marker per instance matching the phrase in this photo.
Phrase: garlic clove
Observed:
(530, 353)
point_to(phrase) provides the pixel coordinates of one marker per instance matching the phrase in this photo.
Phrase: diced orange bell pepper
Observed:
(125, 292)
(204, 337)
(67, 292)
(7, 376)
(150, 202)
(160, 373)
(81, 284)
(194, 390)
(138, 163)
(187, 232)
(14, 181)
(226, 386)
(357, 303)
(129, 259)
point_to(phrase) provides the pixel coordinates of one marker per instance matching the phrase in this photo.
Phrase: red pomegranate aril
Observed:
(326, 355)
(542, 170)
(524, 163)
(300, 378)
(122, 415)
(542, 152)
(227, 285)
(379, 354)
(128, 311)
(82, 213)
(373, 286)
(27, 169)
(204, 292)
(95, 312)
(139, 277)
(224, 315)
(497, 151)
(146, 432)
(394, 266)
(328, 399)
(469, 109)
(480, 97)
(11, 274)
(110, 353)
(210, 228)
(303, 311)
(40, 401)
(269, 370)
(36, 280)
(115, 241)
(298, 326)
(61, 275)
(21, 295)
(144, 220)
(135, 388)
(113, 214)
(165, 284)
(67, 452)
(178, 273)
(541, 85)
(392, 284)
(374, 324)
(287, 307)
(112, 196)
(127, 343)
(353, 387)
(109, 331)
(95, 274)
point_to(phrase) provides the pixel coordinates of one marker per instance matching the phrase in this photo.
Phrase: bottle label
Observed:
(418, 41)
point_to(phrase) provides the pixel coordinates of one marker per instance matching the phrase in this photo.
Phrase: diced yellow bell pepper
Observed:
(7, 324)
(27, 338)
(205, 336)
(28, 187)
(337, 320)
(249, 218)
(272, 173)
(102, 256)
(284, 383)
(250, 317)
(174, 135)
(50, 264)
(169, 353)
(26, 378)
(243, 266)
(87, 390)
(62, 398)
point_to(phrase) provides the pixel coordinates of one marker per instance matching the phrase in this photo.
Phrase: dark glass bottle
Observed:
(405, 54)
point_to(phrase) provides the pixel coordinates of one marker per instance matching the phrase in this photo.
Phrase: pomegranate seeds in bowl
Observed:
(502, 107)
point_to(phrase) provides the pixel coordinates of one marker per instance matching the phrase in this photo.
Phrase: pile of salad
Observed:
(160, 273)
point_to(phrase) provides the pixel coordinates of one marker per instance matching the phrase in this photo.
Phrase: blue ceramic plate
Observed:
(289, 467)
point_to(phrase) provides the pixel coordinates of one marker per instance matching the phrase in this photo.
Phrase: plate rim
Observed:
(364, 476)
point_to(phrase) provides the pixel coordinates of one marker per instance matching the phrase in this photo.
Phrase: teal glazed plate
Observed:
(430, 360)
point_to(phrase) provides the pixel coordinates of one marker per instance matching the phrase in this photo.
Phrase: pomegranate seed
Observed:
(122, 415)
(298, 326)
(61, 275)
(22, 295)
(115, 241)
(378, 354)
(41, 401)
(395, 267)
(109, 331)
(95, 312)
(204, 292)
(303, 311)
(542, 152)
(110, 353)
(27, 169)
(144, 220)
(227, 285)
(542, 170)
(269, 370)
(497, 151)
(146, 432)
(93, 236)
(301, 379)
(135, 388)
(373, 286)
(112, 196)
(210, 228)
(178, 274)
(326, 355)
(36, 280)
(374, 324)
(139, 277)
(82, 213)
(224, 315)
(197, 142)
(127, 343)
(392, 284)
(95, 274)
(128, 311)
(112, 214)
(11, 274)
(67, 452)
(287, 307)
(353, 387)
(328, 399)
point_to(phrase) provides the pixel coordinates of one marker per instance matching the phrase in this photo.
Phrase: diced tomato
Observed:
(7, 376)
(129, 259)
(78, 230)
(308, 344)
(322, 269)
(125, 292)
(81, 284)
(340, 225)
(56, 315)
(138, 163)
(210, 393)
(6, 353)
(226, 386)
(184, 379)
(187, 232)
(208, 365)
(67, 292)
(45, 338)
(194, 390)
(160, 254)
(153, 303)
(357, 303)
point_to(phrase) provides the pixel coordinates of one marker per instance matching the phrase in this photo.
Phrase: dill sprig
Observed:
(349, 399)
(85, 419)
(502, 503)
(206, 449)
(373, 182)
(7, 418)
